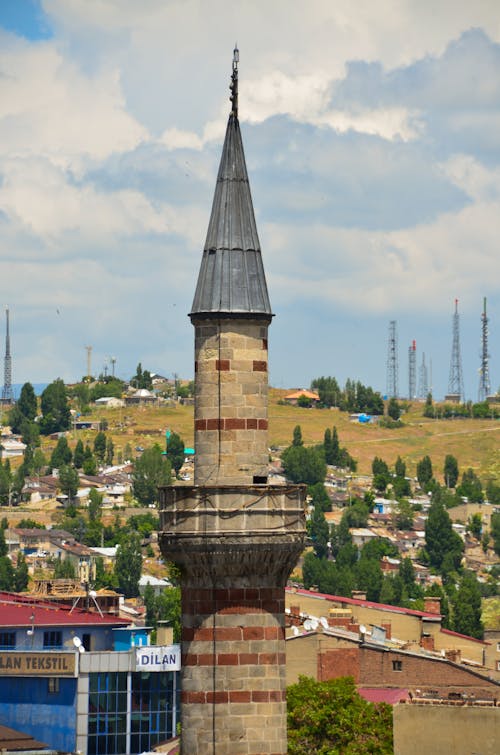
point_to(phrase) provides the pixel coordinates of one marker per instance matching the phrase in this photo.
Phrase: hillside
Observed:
(475, 443)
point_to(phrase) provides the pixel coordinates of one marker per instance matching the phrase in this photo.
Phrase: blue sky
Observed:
(372, 138)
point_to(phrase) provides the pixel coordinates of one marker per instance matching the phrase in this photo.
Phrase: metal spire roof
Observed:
(231, 281)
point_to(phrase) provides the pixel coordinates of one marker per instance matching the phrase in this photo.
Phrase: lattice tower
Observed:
(484, 370)
(7, 395)
(392, 361)
(423, 387)
(412, 371)
(456, 381)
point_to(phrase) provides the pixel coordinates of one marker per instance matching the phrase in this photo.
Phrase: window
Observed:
(52, 639)
(498, 665)
(53, 685)
(397, 665)
(7, 640)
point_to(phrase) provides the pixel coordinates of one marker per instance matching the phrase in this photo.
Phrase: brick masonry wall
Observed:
(231, 394)
(233, 671)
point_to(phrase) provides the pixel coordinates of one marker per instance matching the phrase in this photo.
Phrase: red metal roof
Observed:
(16, 611)
(465, 636)
(367, 603)
(383, 695)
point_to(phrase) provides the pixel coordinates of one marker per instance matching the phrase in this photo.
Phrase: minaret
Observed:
(235, 538)
(7, 395)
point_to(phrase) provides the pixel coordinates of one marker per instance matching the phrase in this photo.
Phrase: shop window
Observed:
(7, 640)
(52, 639)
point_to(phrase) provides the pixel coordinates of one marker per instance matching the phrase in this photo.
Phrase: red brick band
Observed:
(259, 365)
(230, 423)
(235, 696)
(232, 634)
(233, 659)
(222, 365)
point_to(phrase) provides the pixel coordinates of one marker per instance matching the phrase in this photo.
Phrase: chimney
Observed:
(427, 642)
(432, 604)
(358, 594)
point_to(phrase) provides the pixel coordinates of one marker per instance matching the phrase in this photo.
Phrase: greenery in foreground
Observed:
(331, 718)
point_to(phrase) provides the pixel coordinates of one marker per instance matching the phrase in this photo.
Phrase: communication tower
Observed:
(89, 361)
(392, 362)
(456, 381)
(412, 371)
(423, 387)
(484, 370)
(7, 395)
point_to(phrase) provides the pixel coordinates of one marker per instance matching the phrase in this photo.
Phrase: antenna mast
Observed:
(7, 395)
(423, 388)
(456, 381)
(484, 370)
(412, 371)
(89, 362)
(392, 362)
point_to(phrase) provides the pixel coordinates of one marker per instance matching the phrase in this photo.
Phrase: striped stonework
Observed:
(231, 423)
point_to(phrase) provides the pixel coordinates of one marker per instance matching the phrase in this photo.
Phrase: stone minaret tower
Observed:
(235, 538)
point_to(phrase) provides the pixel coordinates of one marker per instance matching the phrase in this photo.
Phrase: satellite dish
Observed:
(29, 632)
(308, 625)
(92, 593)
(362, 629)
(77, 642)
(314, 624)
(81, 649)
(295, 631)
(323, 622)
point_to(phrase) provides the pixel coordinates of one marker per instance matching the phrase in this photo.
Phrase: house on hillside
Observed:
(294, 397)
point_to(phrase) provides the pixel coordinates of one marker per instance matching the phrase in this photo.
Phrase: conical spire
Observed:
(231, 281)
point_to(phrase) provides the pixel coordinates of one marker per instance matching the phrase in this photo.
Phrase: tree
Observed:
(89, 463)
(400, 467)
(151, 470)
(110, 451)
(319, 497)
(441, 541)
(61, 454)
(55, 408)
(403, 515)
(319, 532)
(168, 608)
(297, 436)
(327, 446)
(428, 408)
(475, 525)
(175, 451)
(79, 454)
(100, 446)
(450, 471)
(424, 472)
(128, 565)
(328, 390)
(466, 605)
(142, 378)
(20, 580)
(471, 487)
(64, 569)
(68, 481)
(330, 717)
(303, 464)
(394, 409)
(495, 532)
(27, 402)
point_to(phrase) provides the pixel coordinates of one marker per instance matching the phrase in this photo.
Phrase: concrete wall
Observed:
(438, 730)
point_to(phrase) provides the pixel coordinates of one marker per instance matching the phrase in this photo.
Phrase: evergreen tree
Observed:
(471, 487)
(442, 542)
(27, 404)
(68, 481)
(319, 497)
(336, 454)
(55, 408)
(151, 470)
(79, 454)
(303, 464)
(61, 454)
(400, 467)
(110, 451)
(424, 472)
(100, 446)
(319, 533)
(467, 607)
(327, 445)
(20, 580)
(89, 463)
(394, 409)
(128, 565)
(175, 451)
(450, 471)
(297, 436)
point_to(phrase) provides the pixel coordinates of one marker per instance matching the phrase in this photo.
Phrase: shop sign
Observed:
(158, 658)
(49, 663)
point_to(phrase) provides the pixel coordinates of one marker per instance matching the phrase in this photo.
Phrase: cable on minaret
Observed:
(234, 82)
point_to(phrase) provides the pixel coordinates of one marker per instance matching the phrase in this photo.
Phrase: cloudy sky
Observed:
(372, 137)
